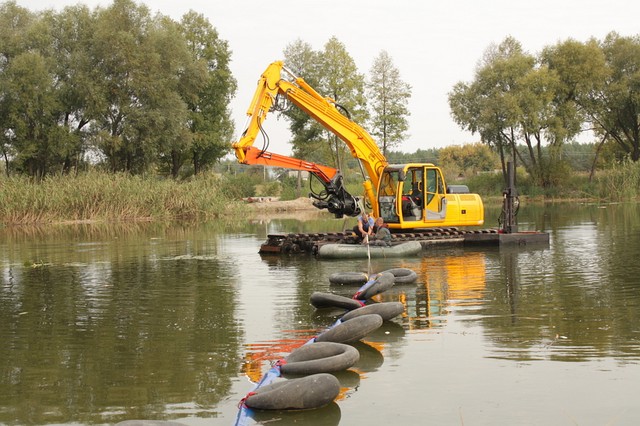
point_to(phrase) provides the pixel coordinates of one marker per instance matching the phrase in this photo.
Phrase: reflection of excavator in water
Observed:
(407, 196)
(450, 280)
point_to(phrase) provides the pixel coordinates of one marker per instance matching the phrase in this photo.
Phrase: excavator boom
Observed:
(324, 111)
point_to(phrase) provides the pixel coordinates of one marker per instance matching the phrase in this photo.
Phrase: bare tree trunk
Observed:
(6, 163)
(503, 164)
(196, 164)
(175, 164)
(595, 157)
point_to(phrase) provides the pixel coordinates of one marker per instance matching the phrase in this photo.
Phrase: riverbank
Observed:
(278, 206)
(96, 197)
(300, 208)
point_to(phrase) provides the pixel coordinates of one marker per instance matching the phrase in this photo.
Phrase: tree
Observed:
(121, 52)
(210, 124)
(32, 107)
(582, 72)
(515, 99)
(137, 64)
(15, 25)
(467, 159)
(69, 53)
(142, 89)
(341, 81)
(603, 80)
(388, 97)
(31, 137)
(488, 105)
(166, 112)
(332, 73)
(619, 112)
(307, 134)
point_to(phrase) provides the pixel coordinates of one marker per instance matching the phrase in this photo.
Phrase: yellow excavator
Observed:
(406, 196)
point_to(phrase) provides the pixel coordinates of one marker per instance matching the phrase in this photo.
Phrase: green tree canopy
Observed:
(333, 73)
(341, 81)
(513, 100)
(138, 90)
(520, 103)
(388, 96)
(619, 112)
(467, 159)
(307, 135)
(207, 88)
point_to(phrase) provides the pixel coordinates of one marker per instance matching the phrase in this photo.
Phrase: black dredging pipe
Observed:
(320, 357)
(351, 331)
(304, 393)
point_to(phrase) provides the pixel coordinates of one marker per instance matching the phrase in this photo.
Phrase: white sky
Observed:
(433, 44)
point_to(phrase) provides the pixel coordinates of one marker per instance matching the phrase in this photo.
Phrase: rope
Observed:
(366, 241)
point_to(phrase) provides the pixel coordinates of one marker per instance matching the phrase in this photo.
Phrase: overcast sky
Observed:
(433, 44)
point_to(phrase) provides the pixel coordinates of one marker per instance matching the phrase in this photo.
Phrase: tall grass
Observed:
(111, 197)
(620, 182)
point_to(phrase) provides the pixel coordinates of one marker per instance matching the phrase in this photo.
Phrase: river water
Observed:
(100, 324)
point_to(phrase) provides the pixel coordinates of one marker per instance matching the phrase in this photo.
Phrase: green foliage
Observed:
(388, 97)
(211, 127)
(111, 197)
(492, 184)
(616, 108)
(580, 156)
(621, 182)
(333, 73)
(512, 100)
(32, 106)
(269, 189)
(521, 104)
(307, 135)
(138, 89)
(241, 185)
(485, 184)
(431, 155)
(289, 189)
(143, 112)
(467, 160)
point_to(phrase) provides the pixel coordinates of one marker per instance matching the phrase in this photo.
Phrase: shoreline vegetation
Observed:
(102, 197)
(107, 197)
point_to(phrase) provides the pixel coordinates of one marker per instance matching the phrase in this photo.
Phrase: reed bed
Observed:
(621, 182)
(98, 196)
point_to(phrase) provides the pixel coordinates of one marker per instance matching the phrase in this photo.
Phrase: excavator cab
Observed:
(412, 196)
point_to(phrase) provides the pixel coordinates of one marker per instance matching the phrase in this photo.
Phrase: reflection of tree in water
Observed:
(120, 339)
(585, 309)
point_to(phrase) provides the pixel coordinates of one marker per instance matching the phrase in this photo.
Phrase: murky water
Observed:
(100, 324)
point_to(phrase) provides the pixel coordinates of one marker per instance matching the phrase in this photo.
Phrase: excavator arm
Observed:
(335, 197)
